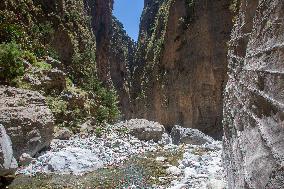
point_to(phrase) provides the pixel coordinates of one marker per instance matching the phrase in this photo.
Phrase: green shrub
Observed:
(10, 32)
(11, 62)
(108, 110)
(57, 105)
(30, 57)
(102, 114)
(42, 65)
(12, 59)
(99, 131)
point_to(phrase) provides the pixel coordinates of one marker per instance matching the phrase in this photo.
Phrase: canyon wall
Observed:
(101, 21)
(181, 69)
(253, 105)
(122, 56)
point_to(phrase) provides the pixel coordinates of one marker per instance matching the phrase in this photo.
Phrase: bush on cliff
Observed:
(11, 62)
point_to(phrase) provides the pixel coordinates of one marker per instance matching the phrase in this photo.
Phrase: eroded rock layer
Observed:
(253, 107)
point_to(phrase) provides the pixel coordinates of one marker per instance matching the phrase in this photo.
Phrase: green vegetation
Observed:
(31, 31)
(99, 131)
(108, 109)
(57, 106)
(42, 65)
(11, 62)
(81, 105)
(18, 24)
(234, 8)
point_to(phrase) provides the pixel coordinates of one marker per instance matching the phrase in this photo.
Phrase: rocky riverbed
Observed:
(115, 158)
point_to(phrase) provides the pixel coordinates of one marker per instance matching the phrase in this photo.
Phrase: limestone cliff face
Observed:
(184, 73)
(101, 16)
(75, 32)
(122, 55)
(71, 37)
(147, 22)
(253, 107)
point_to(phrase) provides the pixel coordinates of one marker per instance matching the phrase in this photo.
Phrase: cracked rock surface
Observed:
(253, 105)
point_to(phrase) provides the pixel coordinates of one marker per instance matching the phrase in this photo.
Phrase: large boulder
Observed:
(8, 163)
(53, 80)
(144, 129)
(49, 80)
(189, 136)
(63, 134)
(75, 161)
(253, 106)
(27, 120)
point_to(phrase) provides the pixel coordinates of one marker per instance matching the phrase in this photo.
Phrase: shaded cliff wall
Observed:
(122, 56)
(253, 106)
(115, 51)
(102, 23)
(184, 70)
(146, 30)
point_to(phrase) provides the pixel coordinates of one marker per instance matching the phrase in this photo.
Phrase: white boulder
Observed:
(8, 163)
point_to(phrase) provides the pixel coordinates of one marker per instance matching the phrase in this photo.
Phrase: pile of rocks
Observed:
(200, 166)
(81, 154)
(144, 129)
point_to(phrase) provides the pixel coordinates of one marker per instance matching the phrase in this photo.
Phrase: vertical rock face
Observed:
(253, 107)
(101, 15)
(122, 55)
(147, 22)
(70, 36)
(184, 73)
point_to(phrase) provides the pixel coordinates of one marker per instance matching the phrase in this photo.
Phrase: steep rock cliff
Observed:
(101, 22)
(147, 21)
(253, 107)
(122, 57)
(60, 29)
(184, 73)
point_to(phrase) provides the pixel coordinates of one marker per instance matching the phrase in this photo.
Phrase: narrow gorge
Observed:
(196, 102)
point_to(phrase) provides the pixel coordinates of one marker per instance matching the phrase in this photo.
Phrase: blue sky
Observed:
(128, 12)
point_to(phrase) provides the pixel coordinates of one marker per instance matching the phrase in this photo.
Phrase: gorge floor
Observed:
(119, 160)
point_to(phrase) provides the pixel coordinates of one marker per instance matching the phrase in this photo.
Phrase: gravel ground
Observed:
(200, 166)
